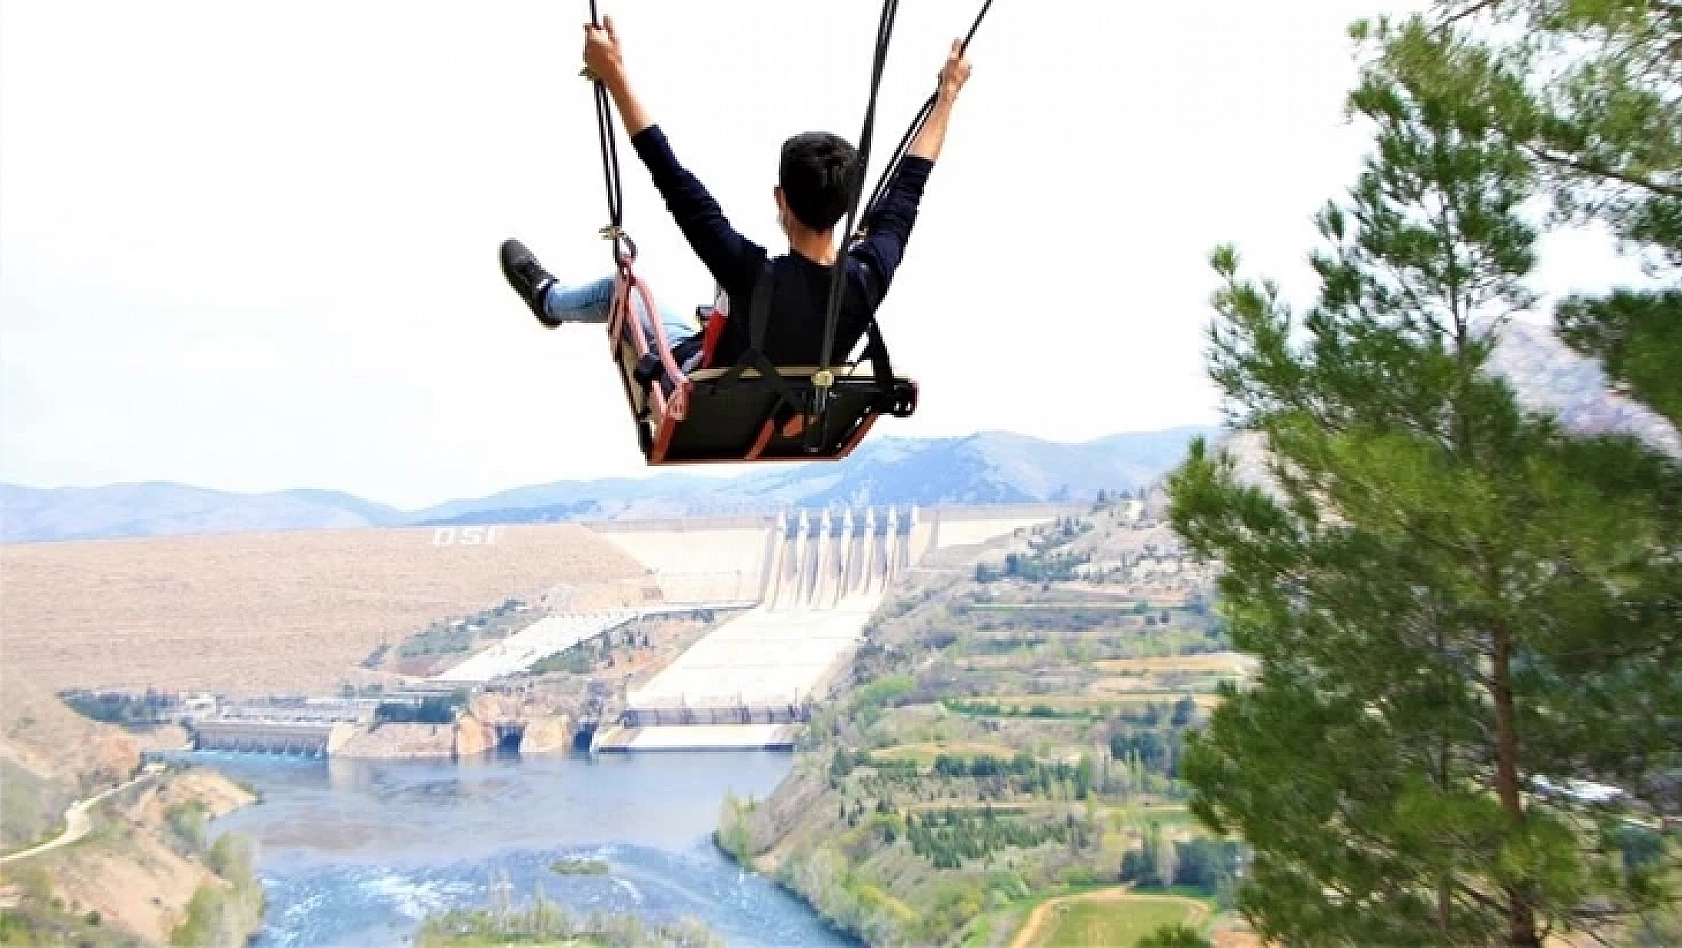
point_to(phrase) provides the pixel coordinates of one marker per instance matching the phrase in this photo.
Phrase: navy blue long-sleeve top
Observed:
(794, 335)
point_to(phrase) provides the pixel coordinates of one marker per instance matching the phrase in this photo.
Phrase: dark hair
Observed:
(818, 174)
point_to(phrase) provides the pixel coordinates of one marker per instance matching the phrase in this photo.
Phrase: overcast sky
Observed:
(253, 246)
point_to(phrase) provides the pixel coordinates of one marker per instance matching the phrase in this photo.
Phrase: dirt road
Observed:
(77, 822)
(1034, 929)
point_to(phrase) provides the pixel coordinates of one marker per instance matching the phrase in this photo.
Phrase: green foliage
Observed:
(441, 638)
(949, 837)
(1046, 562)
(578, 660)
(233, 857)
(433, 709)
(1590, 91)
(17, 929)
(224, 916)
(1020, 774)
(1206, 864)
(1638, 338)
(882, 693)
(1173, 936)
(546, 923)
(995, 710)
(580, 867)
(1450, 597)
(209, 922)
(1201, 865)
(734, 835)
(120, 708)
(186, 822)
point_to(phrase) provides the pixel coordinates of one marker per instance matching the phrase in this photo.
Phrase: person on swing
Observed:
(817, 174)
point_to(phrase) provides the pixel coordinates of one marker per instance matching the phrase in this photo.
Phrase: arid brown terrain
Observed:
(273, 612)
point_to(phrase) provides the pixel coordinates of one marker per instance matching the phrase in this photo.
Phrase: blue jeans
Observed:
(589, 303)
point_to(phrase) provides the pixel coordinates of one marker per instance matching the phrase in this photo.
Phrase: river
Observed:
(356, 853)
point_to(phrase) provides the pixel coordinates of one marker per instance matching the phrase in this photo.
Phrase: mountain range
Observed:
(984, 468)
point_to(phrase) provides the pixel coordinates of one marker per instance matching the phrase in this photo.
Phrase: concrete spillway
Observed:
(831, 561)
(805, 559)
(307, 738)
(818, 578)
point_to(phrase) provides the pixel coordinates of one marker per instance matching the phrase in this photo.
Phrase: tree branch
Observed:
(1581, 167)
(1466, 14)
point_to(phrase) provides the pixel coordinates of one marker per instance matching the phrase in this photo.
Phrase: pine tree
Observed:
(1453, 601)
(1598, 114)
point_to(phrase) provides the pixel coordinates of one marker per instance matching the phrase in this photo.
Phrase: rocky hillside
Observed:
(1009, 735)
(49, 757)
(1554, 379)
(148, 872)
(141, 866)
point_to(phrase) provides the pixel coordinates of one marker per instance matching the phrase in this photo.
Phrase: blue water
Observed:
(356, 853)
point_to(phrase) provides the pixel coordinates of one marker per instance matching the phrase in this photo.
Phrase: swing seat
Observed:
(707, 420)
(753, 411)
(703, 416)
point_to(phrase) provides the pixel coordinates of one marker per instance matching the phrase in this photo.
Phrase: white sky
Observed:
(253, 246)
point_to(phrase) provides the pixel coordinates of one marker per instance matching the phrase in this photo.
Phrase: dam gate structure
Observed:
(802, 585)
(817, 577)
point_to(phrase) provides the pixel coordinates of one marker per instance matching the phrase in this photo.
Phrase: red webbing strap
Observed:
(711, 335)
(619, 316)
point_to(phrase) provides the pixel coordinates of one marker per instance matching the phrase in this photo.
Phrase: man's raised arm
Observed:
(888, 228)
(953, 75)
(733, 259)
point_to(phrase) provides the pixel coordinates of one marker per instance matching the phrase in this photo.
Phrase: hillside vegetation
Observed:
(1012, 734)
(141, 866)
(148, 873)
(50, 756)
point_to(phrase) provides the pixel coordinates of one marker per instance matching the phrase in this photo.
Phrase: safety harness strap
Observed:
(759, 322)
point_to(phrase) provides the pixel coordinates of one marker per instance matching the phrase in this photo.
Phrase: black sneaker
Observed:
(528, 278)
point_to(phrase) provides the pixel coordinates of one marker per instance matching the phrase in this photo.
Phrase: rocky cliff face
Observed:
(473, 737)
(550, 734)
(546, 732)
(401, 742)
(467, 737)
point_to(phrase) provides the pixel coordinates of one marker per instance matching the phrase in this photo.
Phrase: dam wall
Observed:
(818, 577)
(967, 526)
(309, 739)
(806, 558)
(698, 559)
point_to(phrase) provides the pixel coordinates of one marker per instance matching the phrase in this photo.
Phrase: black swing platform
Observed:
(747, 412)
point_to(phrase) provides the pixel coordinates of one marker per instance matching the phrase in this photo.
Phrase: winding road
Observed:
(77, 823)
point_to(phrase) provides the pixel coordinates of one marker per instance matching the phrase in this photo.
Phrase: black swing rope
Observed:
(916, 126)
(838, 271)
(877, 349)
(615, 230)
